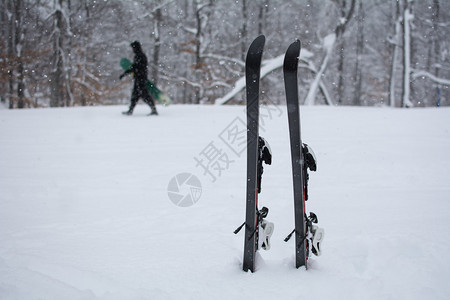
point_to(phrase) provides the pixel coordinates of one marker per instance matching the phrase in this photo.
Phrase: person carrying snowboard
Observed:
(139, 69)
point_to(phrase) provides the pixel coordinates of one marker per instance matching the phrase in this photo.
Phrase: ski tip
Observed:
(262, 38)
(292, 55)
(257, 45)
(295, 46)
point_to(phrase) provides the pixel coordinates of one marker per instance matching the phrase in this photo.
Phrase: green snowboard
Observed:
(152, 89)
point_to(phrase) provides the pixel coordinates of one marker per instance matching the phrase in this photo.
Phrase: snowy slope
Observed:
(85, 211)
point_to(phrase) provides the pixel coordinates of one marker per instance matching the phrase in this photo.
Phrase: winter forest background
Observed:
(354, 52)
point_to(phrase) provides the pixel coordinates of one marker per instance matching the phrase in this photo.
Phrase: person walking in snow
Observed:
(139, 69)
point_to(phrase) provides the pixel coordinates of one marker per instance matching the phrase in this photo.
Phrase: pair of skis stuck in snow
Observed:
(258, 230)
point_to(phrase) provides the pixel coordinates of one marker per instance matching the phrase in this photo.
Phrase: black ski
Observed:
(252, 74)
(290, 67)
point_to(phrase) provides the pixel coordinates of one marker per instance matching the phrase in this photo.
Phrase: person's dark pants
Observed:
(140, 91)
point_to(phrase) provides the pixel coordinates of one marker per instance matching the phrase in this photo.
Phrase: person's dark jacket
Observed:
(139, 66)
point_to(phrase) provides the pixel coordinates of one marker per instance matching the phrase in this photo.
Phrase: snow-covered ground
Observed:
(85, 211)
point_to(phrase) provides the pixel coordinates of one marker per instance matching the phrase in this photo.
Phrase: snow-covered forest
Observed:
(355, 52)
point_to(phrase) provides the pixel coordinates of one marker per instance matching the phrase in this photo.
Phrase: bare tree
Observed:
(329, 44)
(342, 51)
(11, 51)
(157, 16)
(395, 41)
(407, 18)
(18, 45)
(359, 52)
(65, 52)
(58, 83)
(436, 45)
(243, 32)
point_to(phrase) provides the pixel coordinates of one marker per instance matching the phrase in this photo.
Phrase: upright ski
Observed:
(257, 229)
(307, 235)
(290, 67)
(252, 74)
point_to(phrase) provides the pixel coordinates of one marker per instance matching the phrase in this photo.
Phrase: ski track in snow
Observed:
(85, 213)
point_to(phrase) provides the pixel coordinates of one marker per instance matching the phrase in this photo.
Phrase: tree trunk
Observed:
(341, 59)
(396, 44)
(263, 10)
(83, 59)
(244, 30)
(11, 53)
(328, 44)
(157, 40)
(359, 52)
(198, 58)
(57, 98)
(407, 17)
(340, 70)
(18, 51)
(437, 48)
(68, 65)
(4, 32)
